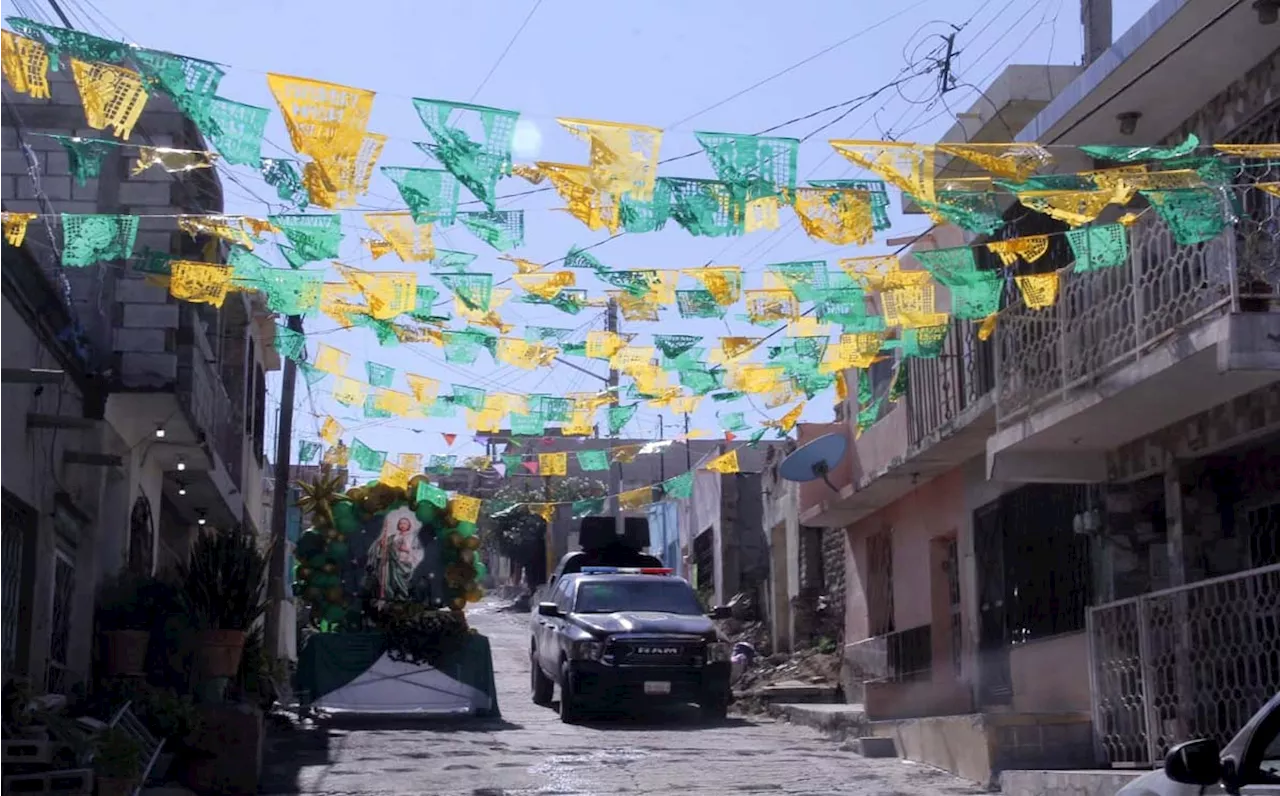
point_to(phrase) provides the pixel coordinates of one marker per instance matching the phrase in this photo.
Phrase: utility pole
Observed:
(945, 81)
(615, 468)
(662, 453)
(1095, 18)
(280, 502)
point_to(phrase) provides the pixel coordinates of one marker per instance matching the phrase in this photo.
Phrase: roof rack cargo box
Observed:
(602, 547)
(598, 533)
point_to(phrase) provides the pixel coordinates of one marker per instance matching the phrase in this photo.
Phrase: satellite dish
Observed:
(815, 459)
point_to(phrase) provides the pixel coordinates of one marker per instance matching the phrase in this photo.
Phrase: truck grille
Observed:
(656, 652)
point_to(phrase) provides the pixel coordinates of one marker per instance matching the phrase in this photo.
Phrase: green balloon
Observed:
(481, 569)
(310, 542)
(427, 512)
(346, 516)
(318, 560)
(338, 551)
(466, 528)
(334, 612)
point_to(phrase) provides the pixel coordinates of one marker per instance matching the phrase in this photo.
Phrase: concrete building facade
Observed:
(176, 433)
(1045, 524)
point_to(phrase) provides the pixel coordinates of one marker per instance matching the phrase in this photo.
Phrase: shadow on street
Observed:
(290, 749)
(675, 718)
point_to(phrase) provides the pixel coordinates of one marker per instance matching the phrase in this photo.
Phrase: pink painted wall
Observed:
(1051, 675)
(934, 509)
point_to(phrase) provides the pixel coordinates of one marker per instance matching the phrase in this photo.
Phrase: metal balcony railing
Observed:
(1193, 661)
(1106, 318)
(204, 396)
(899, 657)
(940, 389)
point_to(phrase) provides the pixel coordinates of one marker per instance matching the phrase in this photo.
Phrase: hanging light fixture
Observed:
(159, 432)
(182, 464)
(1128, 122)
(182, 489)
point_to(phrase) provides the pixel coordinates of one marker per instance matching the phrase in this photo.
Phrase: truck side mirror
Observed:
(1194, 763)
(721, 612)
(548, 609)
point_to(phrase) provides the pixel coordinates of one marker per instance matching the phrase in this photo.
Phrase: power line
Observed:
(797, 64)
(505, 50)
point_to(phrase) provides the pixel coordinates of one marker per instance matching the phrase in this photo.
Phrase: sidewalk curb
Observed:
(835, 720)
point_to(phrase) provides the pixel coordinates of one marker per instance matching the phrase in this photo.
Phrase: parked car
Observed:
(1248, 765)
(617, 637)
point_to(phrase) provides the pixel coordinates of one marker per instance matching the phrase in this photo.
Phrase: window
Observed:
(62, 602)
(646, 593)
(1261, 763)
(141, 537)
(249, 414)
(259, 411)
(563, 594)
(17, 576)
(1047, 574)
(704, 560)
(951, 563)
(880, 582)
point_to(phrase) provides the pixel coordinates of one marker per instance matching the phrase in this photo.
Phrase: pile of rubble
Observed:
(809, 667)
(817, 667)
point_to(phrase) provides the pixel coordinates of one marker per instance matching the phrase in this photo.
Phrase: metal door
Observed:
(995, 686)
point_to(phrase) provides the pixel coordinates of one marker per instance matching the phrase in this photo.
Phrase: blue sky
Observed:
(667, 63)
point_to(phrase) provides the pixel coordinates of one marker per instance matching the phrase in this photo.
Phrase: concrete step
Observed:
(795, 692)
(834, 719)
(873, 747)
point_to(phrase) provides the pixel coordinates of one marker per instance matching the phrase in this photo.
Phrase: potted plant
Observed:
(117, 762)
(125, 626)
(224, 585)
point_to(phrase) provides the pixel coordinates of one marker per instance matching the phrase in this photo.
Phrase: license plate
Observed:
(657, 687)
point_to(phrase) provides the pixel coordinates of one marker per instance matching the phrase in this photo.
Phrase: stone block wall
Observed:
(129, 323)
(833, 561)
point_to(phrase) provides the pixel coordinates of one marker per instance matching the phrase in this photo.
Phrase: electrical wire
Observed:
(505, 50)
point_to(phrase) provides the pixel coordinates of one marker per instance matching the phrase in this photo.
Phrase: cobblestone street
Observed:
(531, 752)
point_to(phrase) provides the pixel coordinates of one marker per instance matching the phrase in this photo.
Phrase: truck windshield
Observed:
(649, 593)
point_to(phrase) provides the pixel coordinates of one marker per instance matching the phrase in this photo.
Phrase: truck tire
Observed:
(714, 707)
(542, 686)
(570, 702)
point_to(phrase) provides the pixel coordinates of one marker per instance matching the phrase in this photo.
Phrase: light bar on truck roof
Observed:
(626, 571)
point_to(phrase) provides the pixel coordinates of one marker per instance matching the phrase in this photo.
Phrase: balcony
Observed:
(943, 422)
(944, 393)
(198, 461)
(1128, 350)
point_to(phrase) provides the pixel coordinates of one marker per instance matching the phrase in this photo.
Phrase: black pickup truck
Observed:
(618, 636)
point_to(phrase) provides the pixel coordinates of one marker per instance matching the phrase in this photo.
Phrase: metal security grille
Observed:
(910, 654)
(1258, 225)
(1262, 524)
(880, 583)
(951, 565)
(19, 521)
(1189, 662)
(64, 589)
(1034, 576)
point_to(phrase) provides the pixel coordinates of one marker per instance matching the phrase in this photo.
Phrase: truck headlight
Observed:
(586, 650)
(719, 652)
